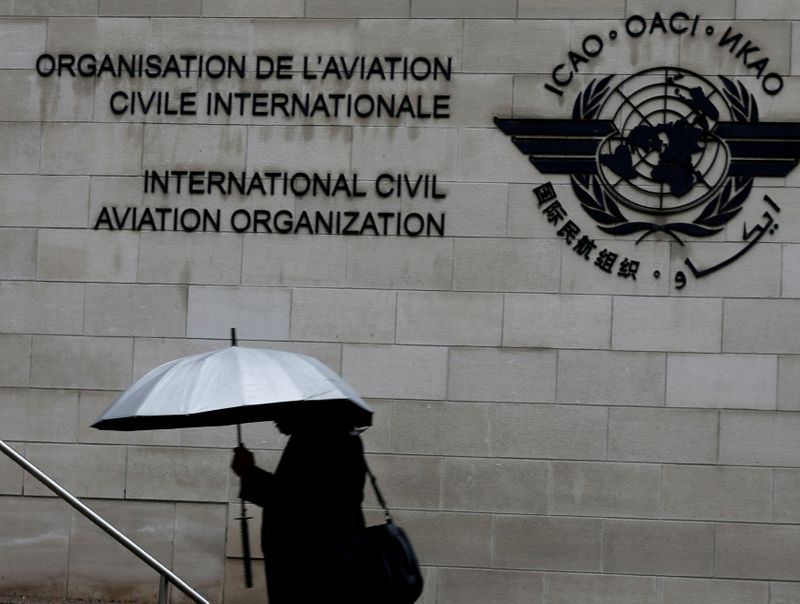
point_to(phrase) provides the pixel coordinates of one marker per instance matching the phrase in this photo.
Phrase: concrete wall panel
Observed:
(546, 321)
(15, 360)
(462, 586)
(669, 548)
(44, 8)
(513, 486)
(563, 588)
(103, 149)
(563, 543)
(257, 312)
(757, 551)
(22, 41)
(81, 362)
(449, 318)
(39, 568)
(713, 591)
(419, 372)
(75, 255)
(547, 429)
(716, 493)
(100, 569)
(611, 377)
(101, 469)
(757, 438)
(174, 474)
(31, 307)
(502, 374)
(338, 315)
(602, 489)
(677, 435)
(440, 428)
(42, 201)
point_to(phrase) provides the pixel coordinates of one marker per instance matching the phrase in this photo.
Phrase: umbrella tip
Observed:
(233, 337)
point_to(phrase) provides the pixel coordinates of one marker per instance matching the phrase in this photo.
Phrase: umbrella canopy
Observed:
(231, 386)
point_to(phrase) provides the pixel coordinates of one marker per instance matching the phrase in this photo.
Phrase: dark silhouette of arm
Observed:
(257, 484)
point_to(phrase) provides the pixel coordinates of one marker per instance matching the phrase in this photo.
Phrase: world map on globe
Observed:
(663, 156)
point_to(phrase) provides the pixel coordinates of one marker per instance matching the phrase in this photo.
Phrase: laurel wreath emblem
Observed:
(598, 202)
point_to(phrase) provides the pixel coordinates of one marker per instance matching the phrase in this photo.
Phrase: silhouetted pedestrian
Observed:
(313, 525)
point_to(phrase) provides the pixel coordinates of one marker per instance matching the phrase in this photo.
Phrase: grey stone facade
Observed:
(547, 433)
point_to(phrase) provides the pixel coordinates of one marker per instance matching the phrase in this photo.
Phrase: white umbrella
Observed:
(232, 386)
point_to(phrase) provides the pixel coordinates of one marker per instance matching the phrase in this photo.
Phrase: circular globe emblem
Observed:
(663, 157)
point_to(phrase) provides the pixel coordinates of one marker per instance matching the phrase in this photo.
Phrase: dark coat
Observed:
(312, 534)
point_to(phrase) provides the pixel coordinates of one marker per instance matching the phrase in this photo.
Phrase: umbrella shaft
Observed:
(248, 571)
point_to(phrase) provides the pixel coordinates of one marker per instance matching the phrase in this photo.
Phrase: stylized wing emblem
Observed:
(570, 146)
(761, 148)
(547, 145)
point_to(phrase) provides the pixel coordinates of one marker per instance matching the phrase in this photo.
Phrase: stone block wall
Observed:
(547, 433)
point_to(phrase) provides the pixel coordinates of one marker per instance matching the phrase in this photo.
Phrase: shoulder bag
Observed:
(395, 573)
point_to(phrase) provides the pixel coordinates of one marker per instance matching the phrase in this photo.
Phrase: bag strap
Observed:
(387, 514)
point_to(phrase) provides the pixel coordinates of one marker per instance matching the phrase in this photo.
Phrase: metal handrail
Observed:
(167, 576)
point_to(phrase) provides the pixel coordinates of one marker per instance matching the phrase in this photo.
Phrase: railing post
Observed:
(163, 590)
(166, 574)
